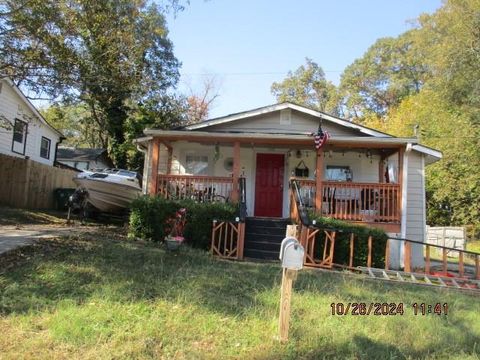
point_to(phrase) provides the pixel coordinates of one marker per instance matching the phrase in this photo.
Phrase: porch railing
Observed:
(198, 188)
(228, 237)
(368, 202)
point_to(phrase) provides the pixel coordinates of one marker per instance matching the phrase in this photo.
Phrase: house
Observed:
(359, 175)
(23, 130)
(84, 158)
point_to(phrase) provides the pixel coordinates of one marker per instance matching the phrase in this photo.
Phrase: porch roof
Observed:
(269, 139)
(432, 155)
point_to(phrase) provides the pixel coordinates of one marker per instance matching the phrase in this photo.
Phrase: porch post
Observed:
(236, 170)
(318, 182)
(169, 162)
(152, 188)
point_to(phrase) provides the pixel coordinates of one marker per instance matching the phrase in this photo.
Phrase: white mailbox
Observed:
(291, 254)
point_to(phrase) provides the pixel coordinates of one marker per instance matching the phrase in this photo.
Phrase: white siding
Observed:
(416, 226)
(363, 169)
(273, 123)
(13, 107)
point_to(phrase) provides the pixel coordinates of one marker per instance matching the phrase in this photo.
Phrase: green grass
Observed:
(473, 246)
(106, 297)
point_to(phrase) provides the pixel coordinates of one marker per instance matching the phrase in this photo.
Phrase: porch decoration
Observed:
(301, 170)
(175, 239)
(320, 137)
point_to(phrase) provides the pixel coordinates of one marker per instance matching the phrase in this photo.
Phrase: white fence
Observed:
(449, 236)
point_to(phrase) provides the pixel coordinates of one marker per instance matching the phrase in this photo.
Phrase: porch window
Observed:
(339, 173)
(45, 148)
(196, 164)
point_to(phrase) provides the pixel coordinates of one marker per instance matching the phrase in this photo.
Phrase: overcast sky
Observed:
(247, 45)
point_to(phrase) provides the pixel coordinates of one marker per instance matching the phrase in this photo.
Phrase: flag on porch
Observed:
(320, 138)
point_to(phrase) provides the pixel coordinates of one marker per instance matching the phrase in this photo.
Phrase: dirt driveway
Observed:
(12, 237)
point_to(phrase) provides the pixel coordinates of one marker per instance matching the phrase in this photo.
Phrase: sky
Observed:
(247, 45)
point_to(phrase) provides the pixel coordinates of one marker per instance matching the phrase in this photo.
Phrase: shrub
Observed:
(342, 242)
(200, 216)
(149, 217)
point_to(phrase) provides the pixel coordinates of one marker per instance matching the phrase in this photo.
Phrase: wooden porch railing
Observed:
(367, 202)
(227, 239)
(439, 265)
(361, 201)
(198, 188)
(319, 245)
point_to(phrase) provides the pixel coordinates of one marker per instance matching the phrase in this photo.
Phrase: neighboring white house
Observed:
(23, 131)
(84, 158)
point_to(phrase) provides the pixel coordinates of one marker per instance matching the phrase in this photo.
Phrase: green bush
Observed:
(149, 216)
(200, 216)
(341, 253)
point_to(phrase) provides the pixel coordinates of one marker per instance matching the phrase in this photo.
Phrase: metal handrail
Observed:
(434, 245)
(301, 207)
(243, 198)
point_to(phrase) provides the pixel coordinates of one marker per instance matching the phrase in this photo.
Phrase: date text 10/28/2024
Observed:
(385, 309)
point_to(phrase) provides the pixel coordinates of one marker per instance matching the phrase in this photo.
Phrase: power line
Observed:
(250, 73)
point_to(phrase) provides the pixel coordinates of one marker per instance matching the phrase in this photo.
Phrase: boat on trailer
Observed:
(110, 190)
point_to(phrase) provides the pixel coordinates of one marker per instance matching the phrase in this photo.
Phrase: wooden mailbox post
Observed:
(291, 255)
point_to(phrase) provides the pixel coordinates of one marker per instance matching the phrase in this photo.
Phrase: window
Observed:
(339, 173)
(196, 164)
(19, 137)
(45, 148)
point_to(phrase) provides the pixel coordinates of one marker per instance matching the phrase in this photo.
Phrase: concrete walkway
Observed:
(12, 237)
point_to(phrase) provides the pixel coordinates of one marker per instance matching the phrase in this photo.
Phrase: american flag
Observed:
(320, 138)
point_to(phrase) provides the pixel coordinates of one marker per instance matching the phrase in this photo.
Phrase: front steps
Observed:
(263, 237)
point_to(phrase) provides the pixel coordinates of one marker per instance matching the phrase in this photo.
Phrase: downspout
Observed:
(60, 139)
(403, 226)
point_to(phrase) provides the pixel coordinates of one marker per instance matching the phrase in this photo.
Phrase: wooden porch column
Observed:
(318, 182)
(236, 171)
(169, 162)
(152, 188)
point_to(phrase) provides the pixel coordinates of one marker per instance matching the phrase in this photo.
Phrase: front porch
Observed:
(358, 182)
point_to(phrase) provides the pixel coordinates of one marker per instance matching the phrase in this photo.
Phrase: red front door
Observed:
(269, 185)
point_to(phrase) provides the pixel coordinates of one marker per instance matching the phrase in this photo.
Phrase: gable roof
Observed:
(286, 105)
(79, 154)
(30, 105)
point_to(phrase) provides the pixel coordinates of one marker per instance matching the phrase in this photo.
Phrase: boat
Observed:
(110, 190)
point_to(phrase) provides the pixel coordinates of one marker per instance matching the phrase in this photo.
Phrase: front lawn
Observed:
(106, 297)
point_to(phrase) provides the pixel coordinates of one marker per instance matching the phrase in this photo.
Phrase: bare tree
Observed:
(200, 100)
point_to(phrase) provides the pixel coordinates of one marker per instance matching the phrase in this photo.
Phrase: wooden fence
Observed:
(29, 184)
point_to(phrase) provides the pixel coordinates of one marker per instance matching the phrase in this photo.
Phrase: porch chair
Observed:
(328, 200)
(368, 204)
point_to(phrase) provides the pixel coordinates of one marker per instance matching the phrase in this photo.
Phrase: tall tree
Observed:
(446, 110)
(106, 53)
(76, 123)
(307, 86)
(388, 72)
